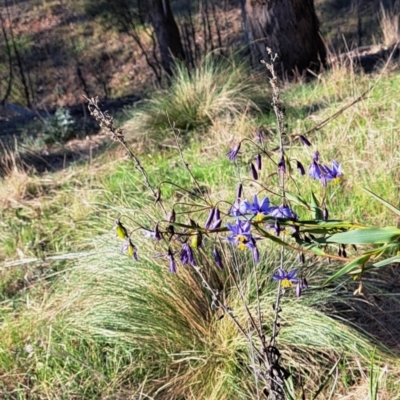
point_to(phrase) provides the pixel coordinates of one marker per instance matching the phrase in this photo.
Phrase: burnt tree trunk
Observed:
(290, 28)
(167, 32)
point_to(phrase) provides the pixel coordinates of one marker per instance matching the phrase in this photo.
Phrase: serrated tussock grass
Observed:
(182, 348)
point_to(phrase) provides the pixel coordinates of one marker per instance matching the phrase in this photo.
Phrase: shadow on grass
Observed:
(23, 143)
(375, 312)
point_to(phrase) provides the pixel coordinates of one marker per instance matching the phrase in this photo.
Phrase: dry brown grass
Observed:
(390, 25)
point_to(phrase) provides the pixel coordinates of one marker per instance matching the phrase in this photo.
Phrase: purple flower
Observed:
(186, 255)
(129, 248)
(316, 170)
(156, 234)
(232, 154)
(238, 208)
(217, 258)
(335, 173)
(283, 212)
(325, 214)
(260, 210)
(217, 219)
(287, 278)
(322, 172)
(217, 214)
(241, 237)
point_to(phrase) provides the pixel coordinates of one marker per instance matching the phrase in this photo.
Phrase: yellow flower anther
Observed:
(241, 238)
(259, 217)
(286, 283)
(242, 246)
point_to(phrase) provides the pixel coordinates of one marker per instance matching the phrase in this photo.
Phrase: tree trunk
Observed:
(167, 32)
(290, 28)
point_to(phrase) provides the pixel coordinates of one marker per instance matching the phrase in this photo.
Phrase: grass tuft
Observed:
(195, 98)
(181, 348)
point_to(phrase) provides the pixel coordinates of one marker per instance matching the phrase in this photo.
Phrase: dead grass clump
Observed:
(389, 23)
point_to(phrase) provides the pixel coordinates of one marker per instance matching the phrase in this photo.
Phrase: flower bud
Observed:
(232, 154)
(253, 172)
(325, 214)
(282, 165)
(217, 258)
(258, 162)
(304, 140)
(300, 168)
(239, 191)
(209, 219)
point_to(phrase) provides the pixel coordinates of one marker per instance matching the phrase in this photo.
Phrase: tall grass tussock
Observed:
(197, 97)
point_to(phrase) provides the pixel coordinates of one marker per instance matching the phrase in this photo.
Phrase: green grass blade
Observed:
(384, 202)
(366, 236)
(348, 268)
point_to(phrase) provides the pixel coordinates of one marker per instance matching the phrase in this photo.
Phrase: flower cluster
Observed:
(247, 214)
